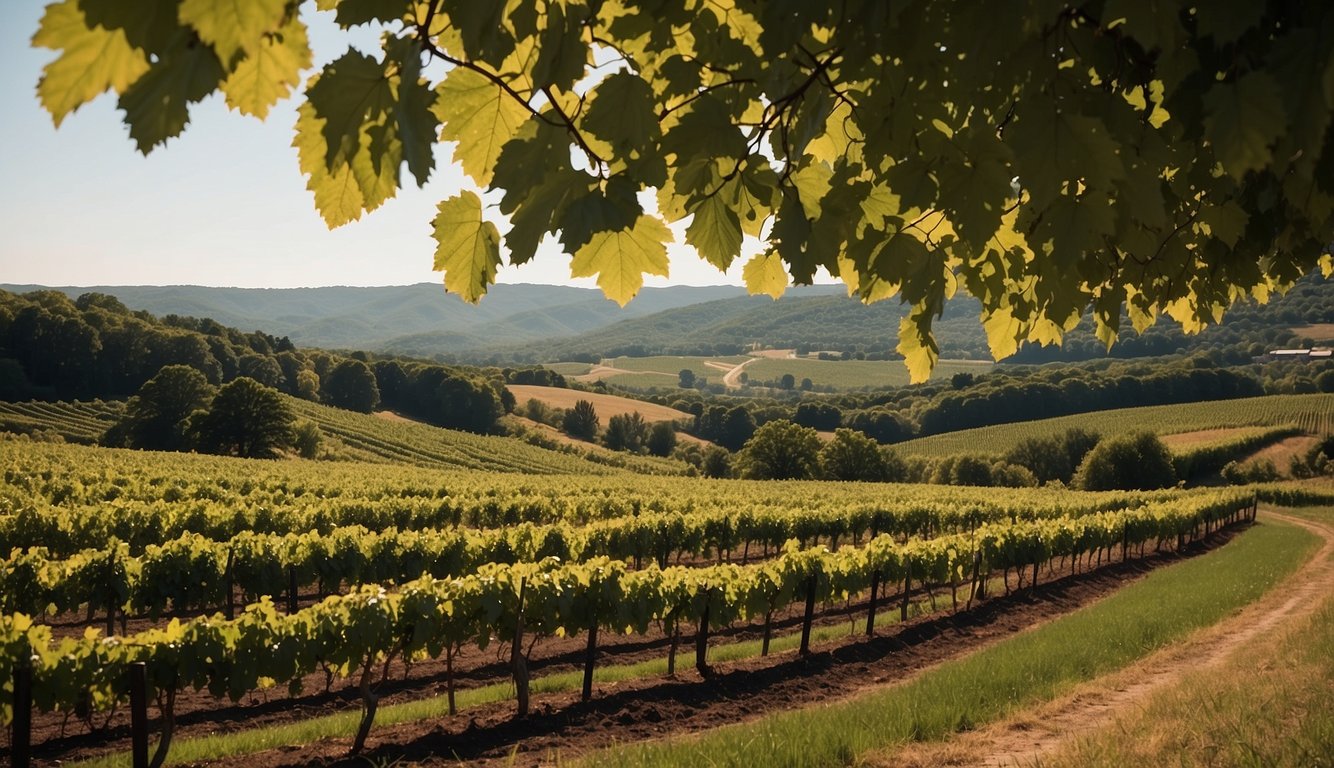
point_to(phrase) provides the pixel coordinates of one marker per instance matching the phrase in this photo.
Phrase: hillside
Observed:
(1312, 413)
(418, 319)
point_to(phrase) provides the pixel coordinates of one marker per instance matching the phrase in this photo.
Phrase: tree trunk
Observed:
(518, 662)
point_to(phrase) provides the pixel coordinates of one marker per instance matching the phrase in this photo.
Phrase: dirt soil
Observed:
(1026, 739)
(1180, 440)
(651, 708)
(605, 405)
(1282, 453)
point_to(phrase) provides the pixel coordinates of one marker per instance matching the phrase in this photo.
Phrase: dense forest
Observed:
(54, 347)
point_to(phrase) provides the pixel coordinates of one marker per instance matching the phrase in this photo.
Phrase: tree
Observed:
(581, 421)
(156, 417)
(661, 439)
(781, 450)
(717, 462)
(246, 419)
(1134, 462)
(985, 154)
(352, 385)
(788, 381)
(853, 456)
(626, 432)
(687, 377)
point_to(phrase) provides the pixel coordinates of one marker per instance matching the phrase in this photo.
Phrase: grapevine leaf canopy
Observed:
(1048, 157)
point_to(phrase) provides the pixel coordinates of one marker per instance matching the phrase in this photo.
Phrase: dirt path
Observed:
(731, 379)
(1026, 740)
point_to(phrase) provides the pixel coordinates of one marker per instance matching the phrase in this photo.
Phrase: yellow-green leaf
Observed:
(91, 60)
(480, 117)
(233, 26)
(765, 274)
(468, 246)
(918, 346)
(715, 232)
(338, 197)
(621, 258)
(269, 72)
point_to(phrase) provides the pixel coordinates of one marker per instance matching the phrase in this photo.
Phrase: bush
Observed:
(853, 456)
(1134, 462)
(661, 439)
(626, 432)
(717, 462)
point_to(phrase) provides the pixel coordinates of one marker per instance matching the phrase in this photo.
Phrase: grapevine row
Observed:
(193, 572)
(429, 617)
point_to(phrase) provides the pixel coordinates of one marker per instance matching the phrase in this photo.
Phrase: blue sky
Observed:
(224, 204)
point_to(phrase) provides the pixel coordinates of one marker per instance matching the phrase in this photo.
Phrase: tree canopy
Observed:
(1049, 157)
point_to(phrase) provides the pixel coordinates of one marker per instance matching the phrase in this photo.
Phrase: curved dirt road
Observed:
(1026, 740)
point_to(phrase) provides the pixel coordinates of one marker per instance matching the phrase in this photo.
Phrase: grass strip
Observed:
(1033, 666)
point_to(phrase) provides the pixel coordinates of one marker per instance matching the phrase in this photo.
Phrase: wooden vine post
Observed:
(810, 615)
(907, 589)
(590, 655)
(870, 605)
(518, 662)
(702, 639)
(20, 733)
(139, 714)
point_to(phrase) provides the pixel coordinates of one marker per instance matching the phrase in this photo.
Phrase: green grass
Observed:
(853, 374)
(1270, 704)
(1312, 413)
(1013, 674)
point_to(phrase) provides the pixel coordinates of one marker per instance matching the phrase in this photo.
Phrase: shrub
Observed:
(1134, 462)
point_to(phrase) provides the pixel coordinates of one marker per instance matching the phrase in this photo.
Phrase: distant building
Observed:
(1301, 355)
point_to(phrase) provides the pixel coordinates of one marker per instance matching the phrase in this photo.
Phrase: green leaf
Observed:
(1243, 119)
(620, 259)
(612, 209)
(338, 196)
(157, 105)
(269, 72)
(1227, 221)
(354, 13)
(350, 92)
(622, 114)
(468, 246)
(478, 115)
(92, 60)
(716, 232)
(562, 53)
(482, 28)
(765, 274)
(414, 115)
(235, 26)
(544, 206)
(150, 25)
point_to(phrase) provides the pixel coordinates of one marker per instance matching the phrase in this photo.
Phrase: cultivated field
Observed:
(605, 405)
(355, 566)
(1310, 413)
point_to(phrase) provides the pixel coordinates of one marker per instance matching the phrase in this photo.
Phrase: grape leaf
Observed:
(621, 258)
(480, 117)
(764, 273)
(716, 232)
(91, 61)
(235, 26)
(1243, 119)
(468, 246)
(622, 114)
(338, 196)
(917, 345)
(269, 72)
(157, 106)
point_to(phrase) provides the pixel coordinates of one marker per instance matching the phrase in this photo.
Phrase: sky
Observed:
(224, 204)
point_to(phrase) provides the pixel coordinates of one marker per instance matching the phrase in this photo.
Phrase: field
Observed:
(605, 405)
(74, 422)
(568, 554)
(854, 374)
(1310, 413)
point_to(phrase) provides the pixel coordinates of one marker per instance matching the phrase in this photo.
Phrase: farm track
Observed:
(1026, 741)
(651, 708)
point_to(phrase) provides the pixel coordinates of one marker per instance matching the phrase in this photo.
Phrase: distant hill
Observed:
(816, 317)
(420, 320)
